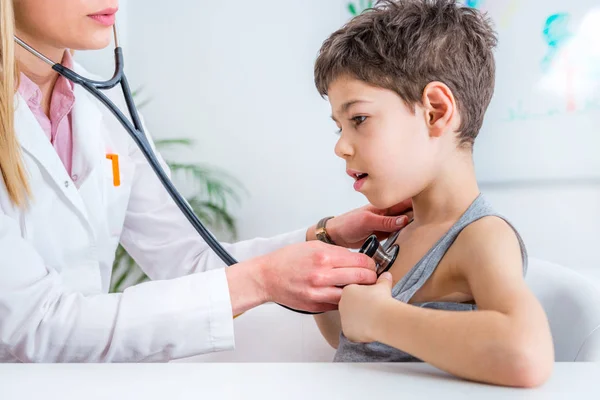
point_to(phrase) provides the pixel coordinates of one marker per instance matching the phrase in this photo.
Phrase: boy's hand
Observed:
(351, 229)
(362, 309)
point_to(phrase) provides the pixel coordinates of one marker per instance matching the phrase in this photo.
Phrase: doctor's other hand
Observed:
(354, 227)
(309, 276)
(362, 309)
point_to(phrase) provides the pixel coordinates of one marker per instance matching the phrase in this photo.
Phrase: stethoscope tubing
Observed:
(136, 131)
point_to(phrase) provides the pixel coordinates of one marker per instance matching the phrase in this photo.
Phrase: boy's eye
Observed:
(356, 120)
(359, 119)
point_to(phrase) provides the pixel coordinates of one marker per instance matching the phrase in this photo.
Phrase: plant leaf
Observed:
(143, 104)
(121, 279)
(136, 92)
(212, 181)
(123, 267)
(214, 189)
(143, 278)
(218, 216)
(163, 143)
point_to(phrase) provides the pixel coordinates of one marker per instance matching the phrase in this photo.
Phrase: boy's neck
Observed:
(450, 194)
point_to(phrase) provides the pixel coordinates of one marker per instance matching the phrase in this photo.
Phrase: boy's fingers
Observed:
(385, 279)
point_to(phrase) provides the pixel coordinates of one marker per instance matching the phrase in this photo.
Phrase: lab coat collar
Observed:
(88, 148)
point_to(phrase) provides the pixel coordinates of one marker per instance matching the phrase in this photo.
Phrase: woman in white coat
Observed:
(64, 209)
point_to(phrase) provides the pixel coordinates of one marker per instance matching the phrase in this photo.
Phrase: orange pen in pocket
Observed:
(115, 168)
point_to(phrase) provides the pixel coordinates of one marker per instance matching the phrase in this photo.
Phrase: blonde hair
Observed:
(11, 161)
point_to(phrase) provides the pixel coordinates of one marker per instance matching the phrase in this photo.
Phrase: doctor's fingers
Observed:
(400, 208)
(340, 277)
(329, 296)
(340, 257)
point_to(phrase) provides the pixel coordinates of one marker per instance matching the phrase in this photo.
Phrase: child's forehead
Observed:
(352, 86)
(344, 94)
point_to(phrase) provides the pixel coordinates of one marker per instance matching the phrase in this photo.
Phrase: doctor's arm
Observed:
(43, 320)
(163, 242)
(165, 245)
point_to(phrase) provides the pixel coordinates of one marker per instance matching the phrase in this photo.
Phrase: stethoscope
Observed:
(384, 256)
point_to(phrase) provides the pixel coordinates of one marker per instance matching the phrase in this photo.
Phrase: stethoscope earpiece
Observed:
(384, 257)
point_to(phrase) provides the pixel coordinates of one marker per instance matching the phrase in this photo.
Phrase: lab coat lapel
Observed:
(87, 123)
(34, 142)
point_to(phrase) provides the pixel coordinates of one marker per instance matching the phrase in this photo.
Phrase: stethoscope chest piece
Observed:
(384, 257)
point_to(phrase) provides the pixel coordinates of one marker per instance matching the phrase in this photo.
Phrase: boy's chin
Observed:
(382, 202)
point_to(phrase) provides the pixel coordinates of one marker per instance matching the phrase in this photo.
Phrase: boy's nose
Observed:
(343, 149)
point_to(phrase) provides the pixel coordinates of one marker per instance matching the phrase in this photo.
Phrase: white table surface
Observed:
(306, 381)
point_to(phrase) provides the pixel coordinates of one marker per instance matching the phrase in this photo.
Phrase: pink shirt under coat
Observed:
(58, 125)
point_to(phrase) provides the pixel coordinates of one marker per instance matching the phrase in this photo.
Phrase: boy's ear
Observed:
(440, 107)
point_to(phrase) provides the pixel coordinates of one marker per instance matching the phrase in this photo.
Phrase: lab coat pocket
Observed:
(119, 170)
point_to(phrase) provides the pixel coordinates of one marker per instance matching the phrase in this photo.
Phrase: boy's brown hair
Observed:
(403, 45)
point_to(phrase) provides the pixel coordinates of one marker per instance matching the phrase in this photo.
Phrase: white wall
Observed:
(241, 79)
(559, 222)
(237, 77)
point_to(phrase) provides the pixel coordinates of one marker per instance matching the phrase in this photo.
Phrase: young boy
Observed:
(409, 83)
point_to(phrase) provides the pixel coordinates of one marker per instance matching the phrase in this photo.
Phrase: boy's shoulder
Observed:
(490, 240)
(487, 230)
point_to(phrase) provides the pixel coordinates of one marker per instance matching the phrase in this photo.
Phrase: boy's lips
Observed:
(359, 178)
(356, 174)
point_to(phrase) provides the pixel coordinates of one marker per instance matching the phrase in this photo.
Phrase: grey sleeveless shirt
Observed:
(414, 280)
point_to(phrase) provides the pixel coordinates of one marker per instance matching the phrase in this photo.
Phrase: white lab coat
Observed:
(56, 257)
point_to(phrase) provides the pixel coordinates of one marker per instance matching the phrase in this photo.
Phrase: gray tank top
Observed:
(405, 289)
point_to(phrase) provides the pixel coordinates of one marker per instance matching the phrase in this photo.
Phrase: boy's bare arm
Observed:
(506, 341)
(330, 326)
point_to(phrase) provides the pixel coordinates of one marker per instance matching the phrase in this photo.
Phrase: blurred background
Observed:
(236, 77)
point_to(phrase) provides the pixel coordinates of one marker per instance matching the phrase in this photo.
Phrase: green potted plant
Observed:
(211, 193)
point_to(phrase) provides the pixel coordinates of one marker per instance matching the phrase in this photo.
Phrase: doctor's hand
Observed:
(309, 276)
(353, 228)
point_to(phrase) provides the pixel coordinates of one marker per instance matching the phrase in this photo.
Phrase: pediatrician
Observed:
(74, 185)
